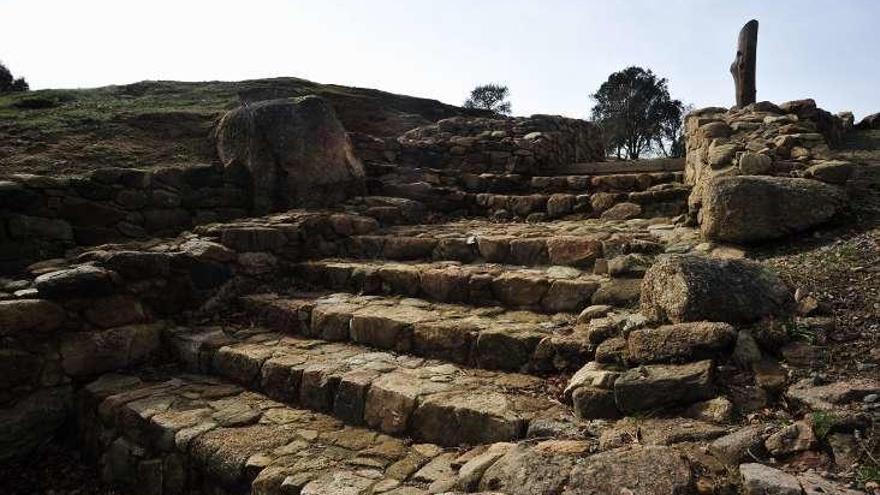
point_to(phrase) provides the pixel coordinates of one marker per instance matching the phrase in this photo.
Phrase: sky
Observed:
(551, 53)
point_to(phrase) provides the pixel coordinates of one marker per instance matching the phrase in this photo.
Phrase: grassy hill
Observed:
(157, 123)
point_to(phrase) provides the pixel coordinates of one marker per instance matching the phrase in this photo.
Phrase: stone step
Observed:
(197, 434)
(564, 242)
(385, 174)
(616, 167)
(551, 290)
(401, 395)
(488, 338)
(658, 201)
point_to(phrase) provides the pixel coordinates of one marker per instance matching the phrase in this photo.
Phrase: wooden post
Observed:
(743, 67)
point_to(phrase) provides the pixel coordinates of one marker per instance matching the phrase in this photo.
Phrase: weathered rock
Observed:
(29, 315)
(534, 470)
(746, 351)
(622, 211)
(759, 479)
(594, 403)
(640, 471)
(870, 122)
(813, 484)
(755, 163)
(735, 447)
(618, 292)
(592, 374)
(795, 437)
(32, 421)
(628, 265)
(679, 342)
(717, 410)
(751, 208)
(826, 397)
(79, 282)
(832, 172)
(90, 353)
(653, 386)
(682, 288)
(115, 311)
(296, 153)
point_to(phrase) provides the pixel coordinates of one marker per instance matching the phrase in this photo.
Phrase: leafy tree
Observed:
(8, 83)
(671, 141)
(637, 115)
(492, 97)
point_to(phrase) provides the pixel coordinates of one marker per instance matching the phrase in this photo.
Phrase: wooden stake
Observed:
(743, 67)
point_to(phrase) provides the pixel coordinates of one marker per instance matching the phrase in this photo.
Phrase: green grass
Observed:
(823, 422)
(868, 473)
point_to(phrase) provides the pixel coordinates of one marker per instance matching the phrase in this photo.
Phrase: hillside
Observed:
(157, 123)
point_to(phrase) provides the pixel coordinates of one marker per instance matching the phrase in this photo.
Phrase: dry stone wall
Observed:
(41, 216)
(754, 170)
(516, 144)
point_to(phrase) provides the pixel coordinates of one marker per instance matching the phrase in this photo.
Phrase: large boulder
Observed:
(753, 208)
(681, 288)
(293, 152)
(869, 122)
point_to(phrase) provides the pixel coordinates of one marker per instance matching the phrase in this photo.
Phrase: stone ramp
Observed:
(489, 338)
(400, 395)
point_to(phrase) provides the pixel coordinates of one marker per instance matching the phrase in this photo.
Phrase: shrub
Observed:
(9, 84)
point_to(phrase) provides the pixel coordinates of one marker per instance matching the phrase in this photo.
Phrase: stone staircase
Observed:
(568, 191)
(372, 350)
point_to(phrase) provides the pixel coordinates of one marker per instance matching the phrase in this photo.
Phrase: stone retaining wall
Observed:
(760, 139)
(751, 157)
(478, 144)
(41, 216)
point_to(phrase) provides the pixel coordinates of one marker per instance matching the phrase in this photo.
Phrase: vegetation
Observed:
(823, 423)
(9, 84)
(160, 123)
(492, 97)
(638, 116)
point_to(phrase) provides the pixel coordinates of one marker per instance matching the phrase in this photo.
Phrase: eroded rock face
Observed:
(294, 153)
(681, 288)
(751, 208)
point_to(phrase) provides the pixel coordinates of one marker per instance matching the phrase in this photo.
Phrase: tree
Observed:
(492, 97)
(671, 141)
(637, 115)
(9, 84)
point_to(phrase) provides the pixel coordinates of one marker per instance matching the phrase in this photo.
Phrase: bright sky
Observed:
(552, 53)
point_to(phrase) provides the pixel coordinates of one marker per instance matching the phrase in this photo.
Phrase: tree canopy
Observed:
(637, 115)
(8, 83)
(492, 97)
